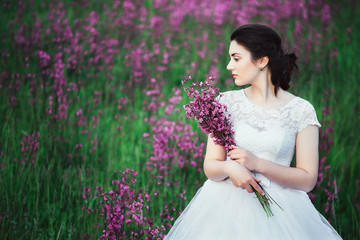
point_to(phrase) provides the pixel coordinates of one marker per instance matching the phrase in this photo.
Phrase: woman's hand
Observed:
(242, 177)
(244, 157)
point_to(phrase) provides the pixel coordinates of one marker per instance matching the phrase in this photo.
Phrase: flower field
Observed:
(94, 139)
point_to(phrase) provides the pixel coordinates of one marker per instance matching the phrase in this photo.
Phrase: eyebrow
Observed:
(235, 54)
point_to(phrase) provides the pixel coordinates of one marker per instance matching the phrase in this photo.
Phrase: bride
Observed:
(270, 124)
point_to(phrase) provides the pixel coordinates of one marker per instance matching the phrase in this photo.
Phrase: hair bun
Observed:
(261, 40)
(290, 59)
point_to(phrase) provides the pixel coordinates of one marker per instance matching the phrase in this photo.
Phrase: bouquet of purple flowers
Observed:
(209, 112)
(211, 115)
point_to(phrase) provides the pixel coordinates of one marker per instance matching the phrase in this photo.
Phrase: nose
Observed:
(229, 66)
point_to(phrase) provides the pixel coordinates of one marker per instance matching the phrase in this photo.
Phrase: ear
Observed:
(262, 62)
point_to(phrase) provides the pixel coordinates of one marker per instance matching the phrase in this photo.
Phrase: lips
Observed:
(234, 75)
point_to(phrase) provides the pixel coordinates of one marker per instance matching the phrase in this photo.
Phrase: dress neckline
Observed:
(265, 108)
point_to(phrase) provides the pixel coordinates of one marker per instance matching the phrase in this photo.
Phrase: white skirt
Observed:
(219, 210)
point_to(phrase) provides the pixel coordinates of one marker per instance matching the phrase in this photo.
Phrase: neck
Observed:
(262, 90)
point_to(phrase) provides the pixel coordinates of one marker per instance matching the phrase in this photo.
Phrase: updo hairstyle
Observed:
(261, 41)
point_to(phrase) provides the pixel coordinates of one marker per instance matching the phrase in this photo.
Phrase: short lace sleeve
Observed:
(222, 98)
(308, 117)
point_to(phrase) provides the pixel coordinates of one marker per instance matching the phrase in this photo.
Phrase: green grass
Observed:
(51, 189)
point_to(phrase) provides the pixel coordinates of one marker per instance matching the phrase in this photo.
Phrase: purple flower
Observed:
(209, 112)
(29, 147)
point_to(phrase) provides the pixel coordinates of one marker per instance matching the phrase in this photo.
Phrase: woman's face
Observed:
(243, 69)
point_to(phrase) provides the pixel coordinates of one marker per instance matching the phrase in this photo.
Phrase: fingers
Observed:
(251, 186)
(233, 148)
(248, 188)
(255, 178)
(257, 187)
(235, 155)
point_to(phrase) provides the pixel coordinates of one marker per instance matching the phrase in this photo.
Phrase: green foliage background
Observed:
(44, 200)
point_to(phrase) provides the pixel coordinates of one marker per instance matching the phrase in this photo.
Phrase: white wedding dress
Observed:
(221, 211)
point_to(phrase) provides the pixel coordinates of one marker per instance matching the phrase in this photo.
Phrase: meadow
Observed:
(95, 143)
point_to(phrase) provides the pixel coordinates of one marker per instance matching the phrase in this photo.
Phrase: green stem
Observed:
(265, 201)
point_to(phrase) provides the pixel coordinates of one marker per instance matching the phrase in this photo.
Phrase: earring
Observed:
(261, 69)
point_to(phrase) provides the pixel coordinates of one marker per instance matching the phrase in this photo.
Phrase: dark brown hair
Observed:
(261, 41)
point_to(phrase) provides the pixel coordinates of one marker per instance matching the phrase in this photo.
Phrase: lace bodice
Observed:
(268, 133)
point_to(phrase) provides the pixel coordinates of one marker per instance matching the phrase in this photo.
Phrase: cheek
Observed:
(239, 67)
(244, 64)
(244, 68)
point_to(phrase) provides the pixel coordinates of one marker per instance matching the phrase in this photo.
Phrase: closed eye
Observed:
(236, 59)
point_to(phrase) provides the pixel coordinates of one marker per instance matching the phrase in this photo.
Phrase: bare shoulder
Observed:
(287, 96)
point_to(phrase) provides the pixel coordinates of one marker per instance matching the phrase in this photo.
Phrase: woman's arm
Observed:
(214, 162)
(217, 169)
(302, 177)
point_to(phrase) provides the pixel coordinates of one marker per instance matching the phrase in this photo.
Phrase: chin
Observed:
(239, 83)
